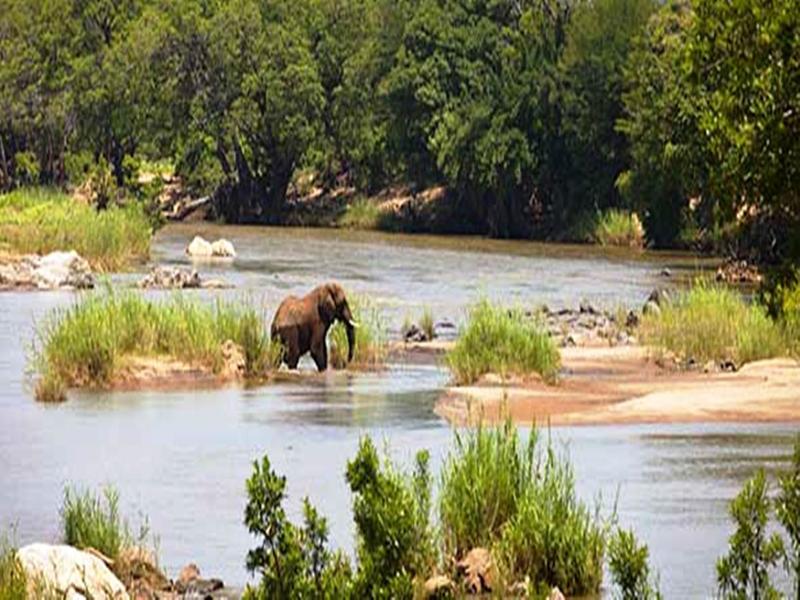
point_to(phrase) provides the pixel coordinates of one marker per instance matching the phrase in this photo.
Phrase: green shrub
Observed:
(42, 221)
(392, 516)
(27, 168)
(483, 478)
(713, 323)
(83, 345)
(553, 538)
(93, 521)
(370, 345)
(630, 570)
(426, 324)
(362, 213)
(13, 582)
(618, 228)
(787, 509)
(503, 341)
(744, 571)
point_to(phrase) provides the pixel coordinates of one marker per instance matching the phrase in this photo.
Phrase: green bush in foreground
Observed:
(710, 322)
(787, 510)
(93, 521)
(503, 341)
(42, 221)
(370, 346)
(84, 344)
(618, 228)
(630, 570)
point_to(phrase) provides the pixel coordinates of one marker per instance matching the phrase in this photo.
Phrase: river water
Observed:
(181, 458)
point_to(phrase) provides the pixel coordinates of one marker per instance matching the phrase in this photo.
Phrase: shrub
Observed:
(498, 340)
(628, 563)
(619, 228)
(426, 324)
(83, 345)
(744, 571)
(370, 345)
(483, 479)
(553, 538)
(42, 221)
(713, 323)
(787, 509)
(362, 213)
(392, 516)
(92, 520)
(13, 582)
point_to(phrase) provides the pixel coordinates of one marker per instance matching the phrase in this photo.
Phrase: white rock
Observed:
(62, 269)
(224, 248)
(69, 572)
(200, 247)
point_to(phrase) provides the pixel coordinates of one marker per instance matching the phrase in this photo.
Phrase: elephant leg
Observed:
(291, 351)
(319, 352)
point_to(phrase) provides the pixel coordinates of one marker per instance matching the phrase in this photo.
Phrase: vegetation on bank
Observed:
(362, 213)
(13, 582)
(86, 343)
(42, 220)
(714, 323)
(371, 337)
(619, 228)
(504, 341)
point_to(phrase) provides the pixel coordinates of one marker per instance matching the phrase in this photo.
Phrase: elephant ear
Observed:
(327, 306)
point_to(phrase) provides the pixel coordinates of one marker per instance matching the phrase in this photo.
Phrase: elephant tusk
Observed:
(353, 324)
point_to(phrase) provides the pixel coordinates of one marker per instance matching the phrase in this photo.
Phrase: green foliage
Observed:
(362, 213)
(710, 322)
(92, 520)
(293, 562)
(84, 344)
(619, 228)
(787, 510)
(630, 569)
(392, 516)
(42, 221)
(503, 341)
(13, 582)
(426, 324)
(370, 345)
(744, 571)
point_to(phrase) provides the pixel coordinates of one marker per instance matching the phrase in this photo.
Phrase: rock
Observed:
(171, 278)
(190, 584)
(59, 270)
(666, 272)
(632, 320)
(415, 334)
(439, 586)
(478, 570)
(138, 570)
(738, 271)
(445, 325)
(588, 308)
(71, 573)
(223, 248)
(188, 574)
(710, 367)
(234, 363)
(215, 284)
(200, 248)
(555, 594)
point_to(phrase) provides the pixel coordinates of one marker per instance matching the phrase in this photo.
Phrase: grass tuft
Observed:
(93, 521)
(502, 341)
(13, 582)
(43, 220)
(371, 347)
(426, 323)
(618, 228)
(712, 323)
(82, 345)
(361, 214)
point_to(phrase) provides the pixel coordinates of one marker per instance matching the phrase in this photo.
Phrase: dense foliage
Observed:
(533, 113)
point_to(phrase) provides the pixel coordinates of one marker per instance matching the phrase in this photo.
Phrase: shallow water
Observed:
(182, 457)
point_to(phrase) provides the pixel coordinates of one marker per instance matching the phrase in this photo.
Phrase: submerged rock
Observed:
(223, 248)
(68, 572)
(201, 248)
(176, 278)
(54, 271)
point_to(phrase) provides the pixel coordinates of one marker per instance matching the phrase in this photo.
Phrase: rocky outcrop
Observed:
(588, 326)
(54, 271)
(70, 573)
(738, 272)
(201, 248)
(171, 278)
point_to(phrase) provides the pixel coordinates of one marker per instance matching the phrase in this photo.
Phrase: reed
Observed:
(616, 227)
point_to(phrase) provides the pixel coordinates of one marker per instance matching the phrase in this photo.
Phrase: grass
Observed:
(42, 220)
(426, 323)
(502, 341)
(370, 345)
(713, 323)
(13, 582)
(361, 214)
(92, 520)
(84, 344)
(616, 227)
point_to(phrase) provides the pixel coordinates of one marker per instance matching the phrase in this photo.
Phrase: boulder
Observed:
(478, 571)
(200, 248)
(439, 586)
(234, 364)
(190, 584)
(62, 270)
(415, 334)
(171, 278)
(71, 573)
(223, 248)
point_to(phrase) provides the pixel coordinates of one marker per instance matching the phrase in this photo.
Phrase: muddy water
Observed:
(182, 457)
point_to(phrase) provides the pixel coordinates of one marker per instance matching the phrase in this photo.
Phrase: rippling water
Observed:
(182, 457)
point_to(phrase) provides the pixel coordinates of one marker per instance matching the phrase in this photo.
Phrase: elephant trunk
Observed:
(350, 327)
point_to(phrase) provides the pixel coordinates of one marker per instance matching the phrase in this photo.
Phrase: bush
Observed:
(427, 325)
(713, 323)
(744, 571)
(553, 538)
(483, 479)
(498, 340)
(93, 521)
(787, 509)
(13, 582)
(392, 516)
(370, 345)
(628, 563)
(618, 228)
(83, 345)
(42, 221)
(362, 213)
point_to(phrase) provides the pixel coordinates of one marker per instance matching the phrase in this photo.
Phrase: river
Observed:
(181, 458)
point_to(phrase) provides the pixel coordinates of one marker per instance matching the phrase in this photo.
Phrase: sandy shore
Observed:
(620, 385)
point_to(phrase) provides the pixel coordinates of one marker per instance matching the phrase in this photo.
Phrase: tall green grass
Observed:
(619, 228)
(92, 520)
(13, 582)
(370, 345)
(503, 341)
(426, 323)
(83, 345)
(713, 323)
(362, 213)
(43, 220)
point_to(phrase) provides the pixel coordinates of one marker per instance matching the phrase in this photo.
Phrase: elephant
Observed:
(301, 324)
